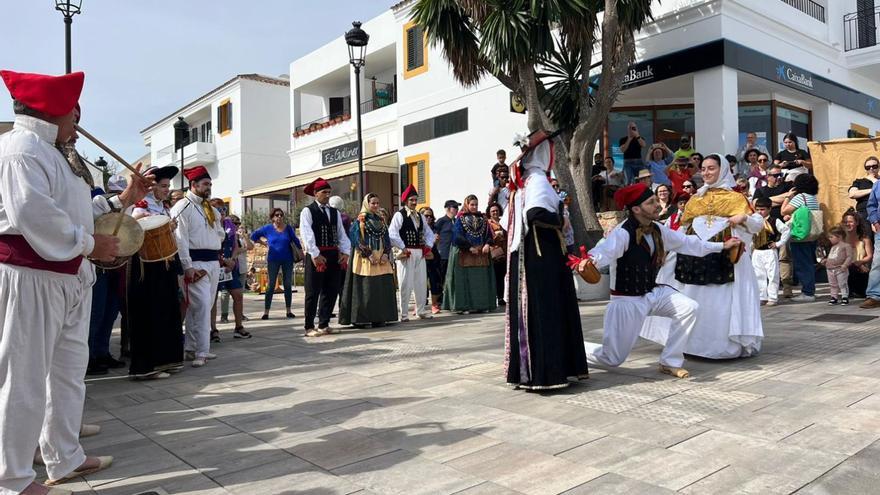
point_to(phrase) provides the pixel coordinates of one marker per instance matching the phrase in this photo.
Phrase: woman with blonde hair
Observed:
(470, 278)
(368, 295)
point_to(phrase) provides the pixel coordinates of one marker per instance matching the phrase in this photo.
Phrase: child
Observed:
(840, 256)
(765, 256)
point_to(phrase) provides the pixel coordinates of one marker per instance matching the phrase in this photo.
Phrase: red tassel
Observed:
(574, 261)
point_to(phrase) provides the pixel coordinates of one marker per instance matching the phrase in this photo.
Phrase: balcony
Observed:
(198, 153)
(860, 29)
(809, 7)
(380, 95)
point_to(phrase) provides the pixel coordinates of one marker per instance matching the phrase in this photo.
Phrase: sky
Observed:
(144, 59)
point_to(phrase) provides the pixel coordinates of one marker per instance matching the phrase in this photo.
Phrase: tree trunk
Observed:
(578, 183)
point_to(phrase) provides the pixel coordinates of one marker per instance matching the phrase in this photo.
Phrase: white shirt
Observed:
(606, 253)
(40, 196)
(397, 223)
(154, 207)
(193, 230)
(307, 235)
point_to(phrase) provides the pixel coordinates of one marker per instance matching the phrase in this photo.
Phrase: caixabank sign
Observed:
(725, 52)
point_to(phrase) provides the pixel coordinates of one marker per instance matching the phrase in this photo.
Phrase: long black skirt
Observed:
(154, 319)
(554, 350)
(367, 299)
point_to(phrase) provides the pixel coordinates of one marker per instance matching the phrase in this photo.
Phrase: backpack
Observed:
(806, 224)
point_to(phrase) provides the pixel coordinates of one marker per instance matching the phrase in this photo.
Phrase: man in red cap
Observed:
(327, 247)
(635, 252)
(199, 236)
(411, 235)
(46, 230)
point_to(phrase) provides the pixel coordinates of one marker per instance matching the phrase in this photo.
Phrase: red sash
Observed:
(15, 250)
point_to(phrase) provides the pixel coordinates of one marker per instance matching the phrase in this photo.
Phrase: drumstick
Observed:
(118, 224)
(108, 150)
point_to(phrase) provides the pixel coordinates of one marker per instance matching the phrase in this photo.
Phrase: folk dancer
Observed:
(413, 239)
(46, 230)
(327, 248)
(765, 252)
(635, 251)
(199, 235)
(155, 334)
(368, 296)
(543, 337)
(723, 284)
(470, 279)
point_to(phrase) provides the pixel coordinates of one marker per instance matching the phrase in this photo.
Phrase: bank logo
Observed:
(794, 76)
(638, 76)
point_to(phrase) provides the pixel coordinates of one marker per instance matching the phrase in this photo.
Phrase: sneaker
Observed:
(290, 314)
(803, 298)
(95, 368)
(314, 333)
(224, 319)
(404, 319)
(844, 301)
(771, 303)
(425, 316)
(241, 333)
(189, 355)
(870, 304)
(833, 301)
(215, 337)
(199, 362)
(210, 356)
(435, 309)
(328, 330)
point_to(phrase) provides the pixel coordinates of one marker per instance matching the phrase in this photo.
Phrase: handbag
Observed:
(466, 259)
(806, 224)
(298, 254)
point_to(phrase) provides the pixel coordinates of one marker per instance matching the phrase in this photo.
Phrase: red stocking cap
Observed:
(409, 191)
(55, 96)
(318, 184)
(633, 195)
(196, 173)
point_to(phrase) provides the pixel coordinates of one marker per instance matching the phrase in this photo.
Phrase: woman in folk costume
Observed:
(543, 336)
(470, 279)
(152, 288)
(723, 284)
(368, 295)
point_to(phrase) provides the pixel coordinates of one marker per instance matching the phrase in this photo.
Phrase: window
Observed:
(206, 132)
(415, 50)
(224, 117)
(617, 128)
(792, 119)
(415, 172)
(671, 124)
(756, 118)
(194, 134)
(439, 126)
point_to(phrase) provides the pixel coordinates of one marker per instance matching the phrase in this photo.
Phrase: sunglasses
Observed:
(872, 167)
(763, 160)
(687, 186)
(775, 175)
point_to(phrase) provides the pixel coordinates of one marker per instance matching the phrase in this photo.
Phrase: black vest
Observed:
(764, 238)
(324, 229)
(637, 268)
(411, 236)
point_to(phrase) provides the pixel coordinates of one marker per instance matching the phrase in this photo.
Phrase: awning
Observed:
(386, 163)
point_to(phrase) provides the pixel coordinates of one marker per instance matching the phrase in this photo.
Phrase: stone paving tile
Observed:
(537, 434)
(435, 441)
(488, 488)
(615, 484)
(858, 474)
(524, 470)
(290, 476)
(667, 468)
(337, 447)
(402, 472)
(650, 432)
(133, 459)
(229, 453)
(454, 413)
(175, 481)
(742, 481)
(829, 439)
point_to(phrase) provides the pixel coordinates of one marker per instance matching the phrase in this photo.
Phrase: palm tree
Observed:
(542, 50)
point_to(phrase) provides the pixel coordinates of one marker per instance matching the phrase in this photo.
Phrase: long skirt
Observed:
(544, 342)
(468, 289)
(367, 299)
(153, 316)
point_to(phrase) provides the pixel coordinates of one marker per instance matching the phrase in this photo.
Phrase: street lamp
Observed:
(105, 177)
(69, 8)
(181, 133)
(357, 39)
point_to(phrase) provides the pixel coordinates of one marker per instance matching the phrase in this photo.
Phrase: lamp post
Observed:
(68, 8)
(105, 177)
(181, 132)
(357, 39)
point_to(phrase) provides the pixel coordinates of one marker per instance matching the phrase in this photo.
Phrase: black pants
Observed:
(321, 290)
(500, 268)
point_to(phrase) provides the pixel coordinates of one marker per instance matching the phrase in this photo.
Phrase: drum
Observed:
(159, 243)
(130, 235)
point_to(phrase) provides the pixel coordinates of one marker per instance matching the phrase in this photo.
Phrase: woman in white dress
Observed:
(729, 317)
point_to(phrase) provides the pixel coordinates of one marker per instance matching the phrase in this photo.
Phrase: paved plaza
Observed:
(422, 408)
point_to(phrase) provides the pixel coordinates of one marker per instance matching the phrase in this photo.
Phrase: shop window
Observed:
(756, 118)
(415, 50)
(224, 117)
(791, 119)
(435, 127)
(416, 172)
(617, 129)
(859, 131)
(672, 124)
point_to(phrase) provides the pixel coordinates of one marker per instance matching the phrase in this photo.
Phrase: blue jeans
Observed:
(105, 309)
(803, 257)
(286, 279)
(874, 275)
(631, 168)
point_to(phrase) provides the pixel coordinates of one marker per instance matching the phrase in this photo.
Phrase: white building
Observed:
(238, 131)
(419, 125)
(712, 69)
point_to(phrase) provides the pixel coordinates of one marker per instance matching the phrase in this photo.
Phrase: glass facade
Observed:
(617, 125)
(672, 123)
(792, 120)
(756, 118)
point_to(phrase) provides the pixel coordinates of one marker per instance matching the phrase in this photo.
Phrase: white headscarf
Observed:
(725, 176)
(537, 193)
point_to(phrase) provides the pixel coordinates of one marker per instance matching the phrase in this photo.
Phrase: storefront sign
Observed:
(794, 76)
(517, 105)
(340, 154)
(640, 76)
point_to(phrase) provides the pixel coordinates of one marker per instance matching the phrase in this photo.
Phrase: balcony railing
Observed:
(321, 123)
(809, 7)
(197, 153)
(860, 29)
(380, 95)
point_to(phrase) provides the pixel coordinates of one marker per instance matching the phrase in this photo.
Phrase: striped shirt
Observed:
(800, 199)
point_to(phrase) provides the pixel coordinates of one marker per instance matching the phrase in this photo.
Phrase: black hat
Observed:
(167, 172)
(451, 203)
(730, 158)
